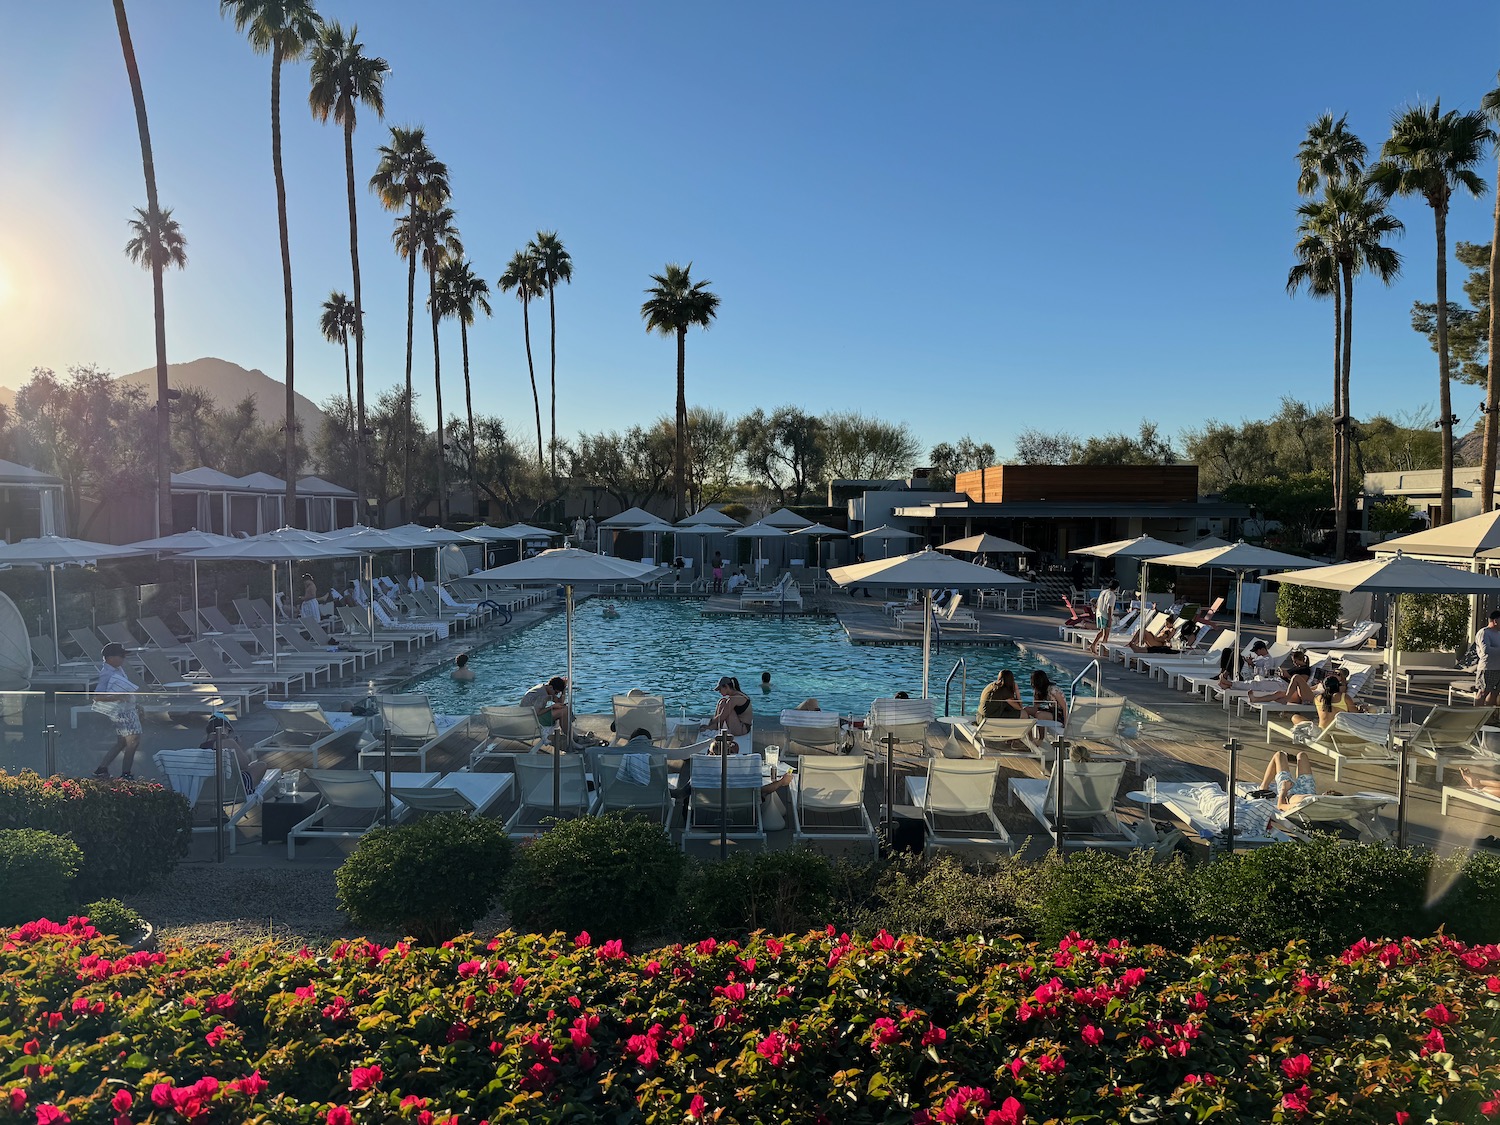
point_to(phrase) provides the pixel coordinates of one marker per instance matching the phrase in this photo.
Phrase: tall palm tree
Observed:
(1342, 236)
(675, 303)
(522, 279)
(409, 176)
(156, 264)
(1432, 154)
(553, 264)
(434, 239)
(1490, 107)
(283, 28)
(343, 77)
(337, 322)
(1329, 154)
(461, 293)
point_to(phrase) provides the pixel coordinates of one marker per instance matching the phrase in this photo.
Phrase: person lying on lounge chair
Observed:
(251, 772)
(1290, 789)
(1171, 638)
(1333, 698)
(1489, 786)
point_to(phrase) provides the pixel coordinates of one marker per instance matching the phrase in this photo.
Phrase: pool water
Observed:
(671, 648)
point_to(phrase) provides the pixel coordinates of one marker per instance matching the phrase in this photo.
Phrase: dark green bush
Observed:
(1464, 892)
(782, 892)
(1325, 893)
(614, 876)
(36, 875)
(1103, 895)
(941, 898)
(111, 916)
(1305, 607)
(131, 833)
(432, 879)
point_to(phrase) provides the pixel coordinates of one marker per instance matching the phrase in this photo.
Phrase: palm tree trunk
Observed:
(1346, 430)
(680, 457)
(359, 329)
(411, 300)
(463, 335)
(1492, 381)
(348, 378)
(437, 382)
(1338, 412)
(290, 514)
(552, 315)
(1445, 398)
(158, 302)
(531, 367)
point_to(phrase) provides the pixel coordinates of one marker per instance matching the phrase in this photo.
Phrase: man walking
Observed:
(1104, 613)
(1487, 642)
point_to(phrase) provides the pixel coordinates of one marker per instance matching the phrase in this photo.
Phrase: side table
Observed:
(280, 816)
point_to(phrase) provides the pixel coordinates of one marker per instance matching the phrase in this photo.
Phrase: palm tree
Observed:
(1432, 154)
(337, 323)
(460, 294)
(675, 303)
(434, 238)
(553, 264)
(283, 28)
(154, 217)
(342, 77)
(1342, 236)
(1490, 107)
(409, 176)
(522, 279)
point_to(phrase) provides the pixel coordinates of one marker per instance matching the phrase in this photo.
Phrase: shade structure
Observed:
(1463, 539)
(712, 517)
(818, 532)
(530, 531)
(758, 531)
(656, 528)
(1393, 574)
(925, 570)
(571, 567)
(986, 544)
(485, 533)
(181, 542)
(630, 517)
(1143, 548)
(52, 551)
(370, 541)
(786, 519)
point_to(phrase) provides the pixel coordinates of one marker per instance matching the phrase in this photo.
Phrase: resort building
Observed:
(1423, 488)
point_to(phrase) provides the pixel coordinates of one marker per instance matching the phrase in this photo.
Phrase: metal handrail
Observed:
(1098, 681)
(963, 689)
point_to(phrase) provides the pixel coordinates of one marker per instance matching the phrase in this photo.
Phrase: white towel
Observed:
(635, 769)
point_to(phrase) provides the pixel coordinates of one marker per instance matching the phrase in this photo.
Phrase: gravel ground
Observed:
(206, 902)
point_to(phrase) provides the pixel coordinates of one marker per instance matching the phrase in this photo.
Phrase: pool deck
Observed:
(1185, 739)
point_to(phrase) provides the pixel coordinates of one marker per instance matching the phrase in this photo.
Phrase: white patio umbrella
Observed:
(181, 542)
(52, 551)
(818, 532)
(1393, 574)
(986, 544)
(712, 517)
(758, 531)
(288, 545)
(571, 567)
(369, 542)
(885, 536)
(786, 519)
(924, 570)
(1143, 548)
(656, 529)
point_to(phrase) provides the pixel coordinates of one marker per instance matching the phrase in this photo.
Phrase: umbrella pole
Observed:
(926, 638)
(56, 624)
(275, 662)
(567, 702)
(196, 603)
(1390, 674)
(437, 577)
(370, 599)
(1141, 620)
(1232, 745)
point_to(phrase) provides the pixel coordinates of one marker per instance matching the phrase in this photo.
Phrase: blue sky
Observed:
(972, 217)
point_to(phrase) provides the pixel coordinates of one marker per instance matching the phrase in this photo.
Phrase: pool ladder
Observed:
(960, 669)
(1092, 665)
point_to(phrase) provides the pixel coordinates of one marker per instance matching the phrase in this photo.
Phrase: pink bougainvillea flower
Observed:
(49, 1114)
(365, 1077)
(17, 1098)
(1296, 1100)
(1010, 1112)
(612, 950)
(1051, 1064)
(161, 1095)
(1402, 1117)
(882, 941)
(1296, 1068)
(1439, 1014)
(707, 946)
(467, 969)
(696, 1107)
(339, 1115)
(774, 947)
(1092, 1035)
(883, 1032)
(773, 1048)
(1433, 1043)
(582, 941)
(933, 1035)
(216, 1036)
(122, 1101)
(252, 1085)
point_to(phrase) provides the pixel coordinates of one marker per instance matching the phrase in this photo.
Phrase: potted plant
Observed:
(1432, 632)
(1305, 613)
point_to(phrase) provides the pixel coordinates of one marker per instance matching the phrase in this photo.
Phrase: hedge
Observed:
(37, 870)
(130, 832)
(821, 1028)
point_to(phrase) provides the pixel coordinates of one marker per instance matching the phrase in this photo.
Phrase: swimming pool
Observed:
(671, 648)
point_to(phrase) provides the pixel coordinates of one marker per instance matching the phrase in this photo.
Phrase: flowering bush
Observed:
(130, 832)
(823, 1028)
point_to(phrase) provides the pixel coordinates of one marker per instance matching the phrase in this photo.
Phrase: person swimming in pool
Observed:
(610, 612)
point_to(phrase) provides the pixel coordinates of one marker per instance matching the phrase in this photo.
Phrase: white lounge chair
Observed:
(190, 773)
(305, 728)
(1350, 737)
(1204, 807)
(473, 794)
(509, 731)
(725, 796)
(1089, 790)
(828, 802)
(632, 781)
(907, 719)
(1003, 738)
(1359, 635)
(358, 627)
(351, 803)
(1097, 724)
(413, 728)
(536, 775)
(957, 799)
(812, 732)
(1446, 734)
(640, 712)
(783, 594)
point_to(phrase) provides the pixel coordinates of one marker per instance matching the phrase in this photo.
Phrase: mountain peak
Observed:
(227, 383)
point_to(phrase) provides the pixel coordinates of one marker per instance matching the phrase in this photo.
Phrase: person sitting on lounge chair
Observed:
(1002, 698)
(733, 713)
(549, 701)
(1048, 704)
(1333, 698)
(1296, 687)
(1171, 638)
(1291, 790)
(251, 772)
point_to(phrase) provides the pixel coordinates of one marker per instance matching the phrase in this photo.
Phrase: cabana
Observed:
(31, 503)
(325, 506)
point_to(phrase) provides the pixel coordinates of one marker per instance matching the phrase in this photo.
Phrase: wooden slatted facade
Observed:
(1150, 484)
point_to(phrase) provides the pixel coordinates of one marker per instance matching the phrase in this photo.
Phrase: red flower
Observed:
(774, 1048)
(1402, 1117)
(1296, 1101)
(1433, 1043)
(30, 1047)
(1010, 1112)
(339, 1115)
(48, 1114)
(122, 1101)
(774, 947)
(582, 941)
(1439, 1014)
(1296, 1068)
(707, 946)
(884, 1031)
(467, 969)
(882, 940)
(1490, 1108)
(696, 1107)
(457, 1030)
(1051, 1064)
(365, 1077)
(252, 1085)
(1092, 1035)
(161, 1095)
(933, 1035)
(653, 968)
(17, 1099)
(612, 950)
(580, 1032)
(216, 1036)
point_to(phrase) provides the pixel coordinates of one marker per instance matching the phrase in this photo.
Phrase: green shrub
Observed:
(781, 892)
(432, 879)
(1323, 892)
(111, 916)
(1433, 623)
(941, 898)
(36, 874)
(131, 833)
(1463, 895)
(614, 876)
(1103, 895)
(1305, 607)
